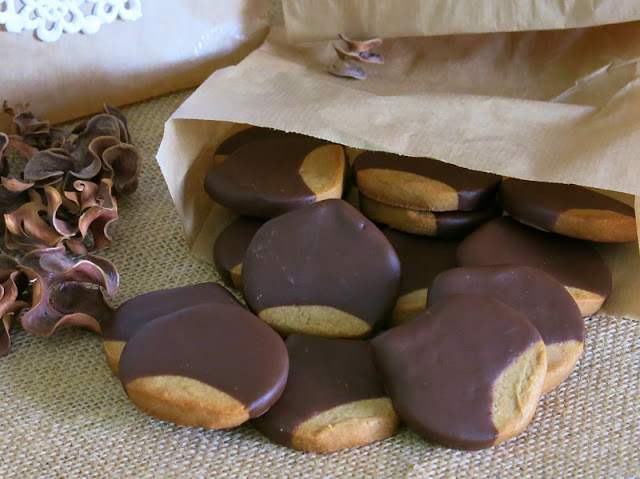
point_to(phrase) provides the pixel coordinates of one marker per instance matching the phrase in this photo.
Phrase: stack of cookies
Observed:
(452, 318)
(260, 173)
(424, 196)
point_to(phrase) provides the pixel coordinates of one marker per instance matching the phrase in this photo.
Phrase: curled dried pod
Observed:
(67, 290)
(361, 45)
(31, 130)
(26, 227)
(347, 69)
(13, 283)
(367, 57)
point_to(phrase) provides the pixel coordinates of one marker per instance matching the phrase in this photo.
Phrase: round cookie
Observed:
(334, 398)
(421, 260)
(323, 270)
(537, 295)
(135, 313)
(576, 264)
(246, 136)
(466, 373)
(231, 246)
(266, 178)
(570, 210)
(423, 183)
(445, 225)
(213, 367)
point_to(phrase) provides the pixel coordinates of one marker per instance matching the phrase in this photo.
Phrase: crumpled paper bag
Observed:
(174, 45)
(324, 19)
(505, 103)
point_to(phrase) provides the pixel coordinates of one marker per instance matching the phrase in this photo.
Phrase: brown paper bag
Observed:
(492, 102)
(325, 19)
(174, 45)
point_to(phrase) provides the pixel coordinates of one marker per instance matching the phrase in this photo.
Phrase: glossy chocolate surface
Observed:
(232, 243)
(136, 312)
(421, 258)
(540, 204)
(323, 374)
(541, 298)
(475, 189)
(218, 344)
(458, 224)
(326, 254)
(262, 178)
(440, 368)
(504, 240)
(253, 133)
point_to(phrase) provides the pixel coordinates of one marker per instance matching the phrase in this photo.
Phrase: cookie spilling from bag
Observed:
(424, 196)
(450, 319)
(274, 174)
(213, 365)
(323, 270)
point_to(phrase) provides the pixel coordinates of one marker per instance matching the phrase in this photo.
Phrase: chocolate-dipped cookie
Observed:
(322, 270)
(231, 246)
(246, 136)
(576, 264)
(445, 225)
(266, 178)
(334, 398)
(135, 313)
(537, 295)
(570, 210)
(422, 183)
(421, 260)
(466, 373)
(210, 365)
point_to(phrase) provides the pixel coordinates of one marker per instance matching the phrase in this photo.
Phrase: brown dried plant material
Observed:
(53, 165)
(62, 200)
(120, 162)
(347, 69)
(13, 283)
(26, 228)
(61, 292)
(4, 164)
(360, 45)
(99, 209)
(366, 57)
(31, 130)
(64, 218)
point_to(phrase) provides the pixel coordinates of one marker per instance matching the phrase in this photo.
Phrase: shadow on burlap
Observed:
(62, 414)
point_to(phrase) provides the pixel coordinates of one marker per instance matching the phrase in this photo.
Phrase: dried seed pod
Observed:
(347, 69)
(366, 57)
(60, 292)
(360, 45)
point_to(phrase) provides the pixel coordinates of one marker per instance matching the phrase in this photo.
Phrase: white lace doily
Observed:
(50, 18)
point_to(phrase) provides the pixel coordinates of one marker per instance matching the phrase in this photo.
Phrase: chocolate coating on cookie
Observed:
(541, 298)
(421, 258)
(444, 225)
(440, 369)
(569, 209)
(221, 345)
(231, 246)
(503, 240)
(263, 177)
(474, 189)
(536, 294)
(328, 255)
(248, 135)
(323, 374)
(136, 312)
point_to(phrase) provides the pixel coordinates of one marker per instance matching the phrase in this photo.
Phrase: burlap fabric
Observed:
(62, 414)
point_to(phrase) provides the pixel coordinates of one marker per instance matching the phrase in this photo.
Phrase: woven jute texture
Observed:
(62, 414)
